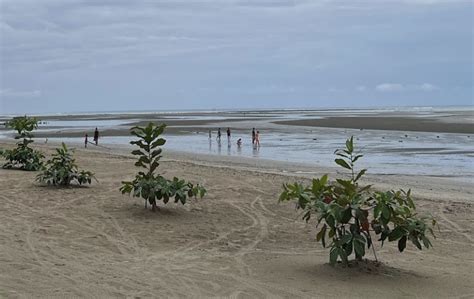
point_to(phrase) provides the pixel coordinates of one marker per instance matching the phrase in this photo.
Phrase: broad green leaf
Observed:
(385, 212)
(360, 174)
(346, 215)
(397, 233)
(321, 232)
(158, 142)
(357, 157)
(345, 238)
(342, 163)
(138, 153)
(359, 245)
(350, 144)
(402, 243)
(415, 241)
(323, 180)
(333, 256)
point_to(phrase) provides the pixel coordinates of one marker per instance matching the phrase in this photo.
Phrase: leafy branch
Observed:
(23, 157)
(62, 170)
(148, 184)
(349, 214)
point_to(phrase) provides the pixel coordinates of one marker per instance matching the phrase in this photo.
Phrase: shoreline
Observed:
(430, 187)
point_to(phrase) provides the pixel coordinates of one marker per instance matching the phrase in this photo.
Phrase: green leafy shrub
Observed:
(352, 215)
(23, 157)
(62, 170)
(150, 185)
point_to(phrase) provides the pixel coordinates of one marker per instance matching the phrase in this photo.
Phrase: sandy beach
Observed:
(236, 242)
(357, 116)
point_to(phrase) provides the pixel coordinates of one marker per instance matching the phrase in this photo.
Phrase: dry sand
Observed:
(237, 242)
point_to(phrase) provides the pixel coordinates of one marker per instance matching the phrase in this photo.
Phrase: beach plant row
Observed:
(149, 184)
(60, 170)
(351, 217)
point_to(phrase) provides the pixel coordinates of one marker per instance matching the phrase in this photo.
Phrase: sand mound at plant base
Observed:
(369, 267)
(238, 241)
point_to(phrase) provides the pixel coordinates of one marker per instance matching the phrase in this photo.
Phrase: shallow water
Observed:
(386, 152)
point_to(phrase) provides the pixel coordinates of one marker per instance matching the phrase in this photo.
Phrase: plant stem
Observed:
(373, 248)
(352, 168)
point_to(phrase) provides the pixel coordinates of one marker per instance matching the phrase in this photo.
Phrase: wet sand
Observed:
(410, 124)
(236, 242)
(461, 122)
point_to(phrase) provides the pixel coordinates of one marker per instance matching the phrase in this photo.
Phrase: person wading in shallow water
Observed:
(219, 135)
(253, 136)
(257, 139)
(86, 140)
(96, 136)
(228, 134)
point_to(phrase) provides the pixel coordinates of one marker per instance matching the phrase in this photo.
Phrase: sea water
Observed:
(385, 152)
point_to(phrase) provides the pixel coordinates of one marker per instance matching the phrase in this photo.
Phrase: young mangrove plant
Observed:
(23, 157)
(149, 184)
(351, 217)
(62, 170)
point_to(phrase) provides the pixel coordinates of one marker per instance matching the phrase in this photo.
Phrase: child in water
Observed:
(257, 139)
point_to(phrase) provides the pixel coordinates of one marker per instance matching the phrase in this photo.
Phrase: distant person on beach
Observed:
(228, 134)
(239, 142)
(86, 140)
(96, 136)
(219, 134)
(257, 139)
(210, 134)
(253, 136)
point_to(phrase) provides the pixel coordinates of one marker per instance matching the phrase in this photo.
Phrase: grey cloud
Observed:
(9, 93)
(397, 87)
(389, 87)
(281, 52)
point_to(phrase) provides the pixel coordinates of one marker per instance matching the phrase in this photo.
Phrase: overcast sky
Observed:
(108, 55)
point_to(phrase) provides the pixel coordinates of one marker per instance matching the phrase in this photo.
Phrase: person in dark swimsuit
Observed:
(96, 136)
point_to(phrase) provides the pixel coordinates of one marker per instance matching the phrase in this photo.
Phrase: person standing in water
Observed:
(253, 136)
(210, 134)
(228, 135)
(96, 136)
(219, 135)
(257, 139)
(86, 140)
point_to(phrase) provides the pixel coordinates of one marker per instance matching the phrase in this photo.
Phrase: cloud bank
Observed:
(82, 55)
